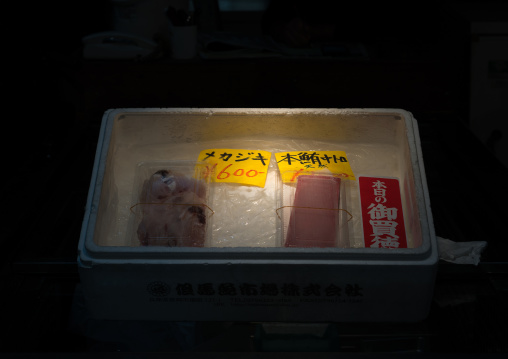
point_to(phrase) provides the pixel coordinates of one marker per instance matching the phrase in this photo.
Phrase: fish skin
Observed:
(173, 213)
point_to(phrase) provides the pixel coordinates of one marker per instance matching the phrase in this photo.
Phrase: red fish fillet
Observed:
(314, 216)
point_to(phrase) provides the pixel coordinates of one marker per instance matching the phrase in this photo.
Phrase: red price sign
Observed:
(382, 216)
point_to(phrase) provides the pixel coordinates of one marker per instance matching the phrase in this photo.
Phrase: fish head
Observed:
(163, 184)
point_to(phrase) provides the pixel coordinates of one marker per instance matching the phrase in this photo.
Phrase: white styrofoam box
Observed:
(257, 280)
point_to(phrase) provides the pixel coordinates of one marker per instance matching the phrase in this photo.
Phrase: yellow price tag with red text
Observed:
(248, 167)
(295, 163)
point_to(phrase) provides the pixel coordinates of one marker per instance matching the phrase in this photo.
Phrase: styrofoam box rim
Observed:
(89, 252)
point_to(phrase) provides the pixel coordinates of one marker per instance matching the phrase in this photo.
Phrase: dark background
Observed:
(419, 61)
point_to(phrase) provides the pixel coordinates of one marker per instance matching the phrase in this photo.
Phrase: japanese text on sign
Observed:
(248, 167)
(293, 164)
(162, 289)
(383, 220)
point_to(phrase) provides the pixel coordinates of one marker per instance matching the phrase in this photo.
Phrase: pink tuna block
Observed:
(314, 216)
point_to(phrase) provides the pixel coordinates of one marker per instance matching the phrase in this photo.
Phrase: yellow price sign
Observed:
(293, 164)
(248, 167)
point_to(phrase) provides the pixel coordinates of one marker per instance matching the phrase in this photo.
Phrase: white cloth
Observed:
(460, 252)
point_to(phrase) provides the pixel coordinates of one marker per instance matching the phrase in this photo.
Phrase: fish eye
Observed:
(168, 180)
